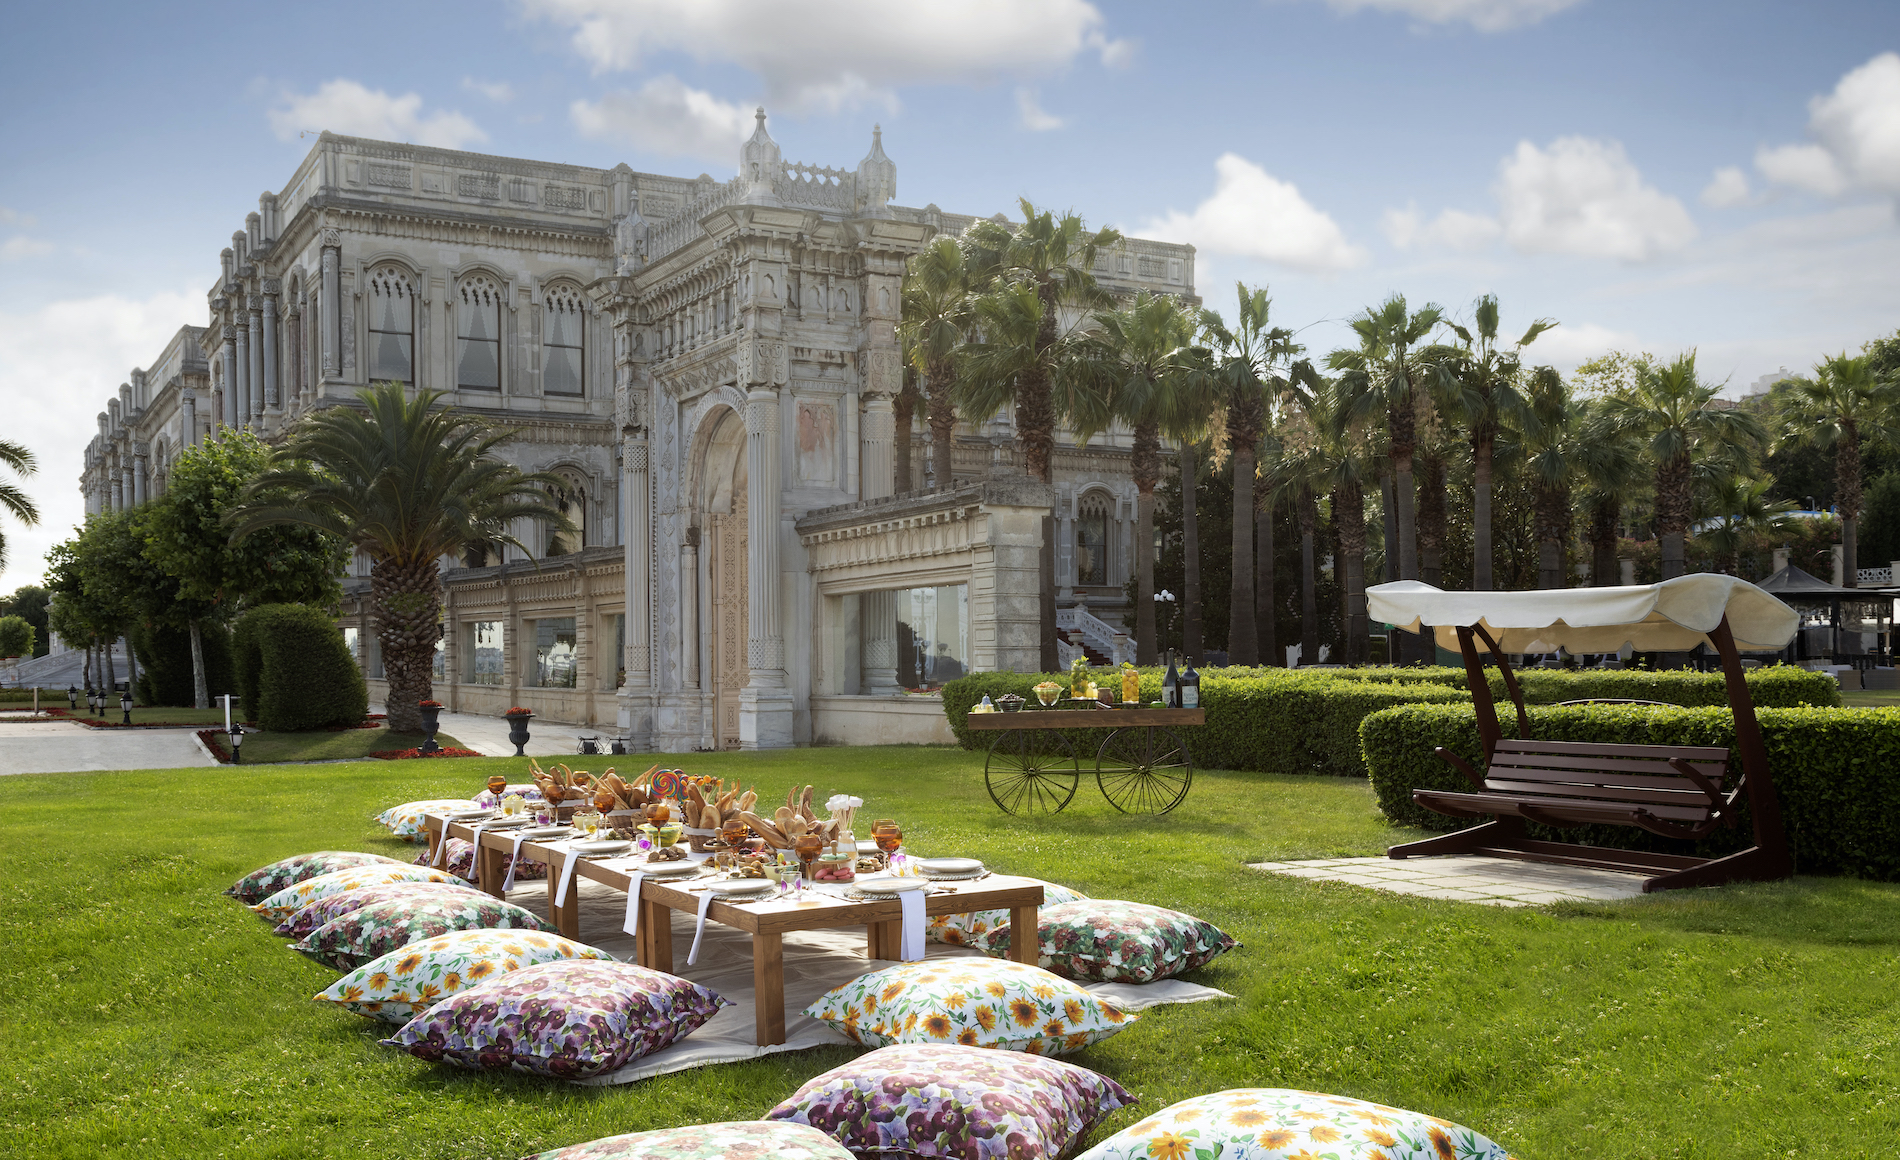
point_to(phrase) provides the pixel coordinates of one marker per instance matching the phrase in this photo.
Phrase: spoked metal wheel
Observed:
(1144, 770)
(1031, 771)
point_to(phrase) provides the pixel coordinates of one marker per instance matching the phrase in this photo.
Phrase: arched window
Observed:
(1091, 538)
(571, 497)
(392, 326)
(561, 335)
(478, 336)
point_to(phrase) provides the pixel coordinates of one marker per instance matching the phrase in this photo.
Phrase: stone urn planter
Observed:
(518, 729)
(431, 721)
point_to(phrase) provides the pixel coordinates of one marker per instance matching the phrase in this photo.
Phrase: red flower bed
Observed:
(406, 754)
(213, 741)
(518, 711)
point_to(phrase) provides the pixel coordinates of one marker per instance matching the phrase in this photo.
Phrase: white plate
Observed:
(886, 884)
(501, 823)
(541, 833)
(684, 866)
(599, 847)
(744, 888)
(469, 815)
(949, 867)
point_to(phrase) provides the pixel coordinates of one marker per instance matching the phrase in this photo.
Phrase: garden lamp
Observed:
(72, 698)
(125, 702)
(237, 743)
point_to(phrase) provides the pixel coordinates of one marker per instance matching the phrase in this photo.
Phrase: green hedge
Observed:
(1773, 687)
(1836, 772)
(294, 670)
(165, 663)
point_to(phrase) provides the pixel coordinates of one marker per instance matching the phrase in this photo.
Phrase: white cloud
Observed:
(1483, 15)
(665, 116)
(1856, 131)
(832, 55)
(1452, 229)
(1035, 118)
(1253, 214)
(1728, 187)
(501, 92)
(21, 246)
(58, 365)
(1572, 343)
(1583, 196)
(344, 106)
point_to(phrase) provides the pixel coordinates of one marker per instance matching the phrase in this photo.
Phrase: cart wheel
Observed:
(1144, 770)
(1031, 771)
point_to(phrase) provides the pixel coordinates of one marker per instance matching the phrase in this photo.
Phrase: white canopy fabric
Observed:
(1673, 616)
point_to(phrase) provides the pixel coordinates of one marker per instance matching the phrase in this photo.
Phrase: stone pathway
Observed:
(1468, 878)
(489, 735)
(63, 747)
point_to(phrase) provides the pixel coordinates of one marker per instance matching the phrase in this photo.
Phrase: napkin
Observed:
(475, 859)
(442, 845)
(509, 883)
(634, 878)
(705, 901)
(911, 946)
(567, 876)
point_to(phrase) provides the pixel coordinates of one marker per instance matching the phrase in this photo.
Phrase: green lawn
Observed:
(1870, 698)
(324, 745)
(146, 1014)
(150, 714)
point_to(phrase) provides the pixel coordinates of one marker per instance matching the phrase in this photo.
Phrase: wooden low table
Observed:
(767, 923)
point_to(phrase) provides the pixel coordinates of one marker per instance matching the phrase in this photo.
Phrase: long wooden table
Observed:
(768, 923)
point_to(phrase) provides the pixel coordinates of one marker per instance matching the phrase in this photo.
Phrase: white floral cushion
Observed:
(265, 881)
(973, 930)
(411, 979)
(1109, 941)
(370, 932)
(969, 1001)
(737, 1140)
(405, 820)
(1282, 1124)
(459, 859)
(292, 899)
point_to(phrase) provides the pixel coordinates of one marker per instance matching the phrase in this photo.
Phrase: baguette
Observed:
(764, 829)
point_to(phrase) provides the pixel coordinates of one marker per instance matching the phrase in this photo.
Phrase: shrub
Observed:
(1836, 773)
(16, 637)
(294, 670)
(1774, 687)
(164, 655)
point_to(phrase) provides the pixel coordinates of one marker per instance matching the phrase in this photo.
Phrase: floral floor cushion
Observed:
(331, 907)
(265, 881)
(969, 1001)
(405, 982)
(570, 1019)
(405, 820)
(460, 860)
(292, 899)
(737, 1140)
(372, 931)
(928, 1101)
(973, 930)
(1106, 941)
(1281, 1124)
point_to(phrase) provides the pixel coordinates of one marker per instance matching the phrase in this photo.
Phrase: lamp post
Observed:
(1166, 597)
(237, 743)
(72, 698)
(125, 703)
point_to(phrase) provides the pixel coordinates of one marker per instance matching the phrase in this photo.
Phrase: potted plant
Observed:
(431, 721)
(518, 719)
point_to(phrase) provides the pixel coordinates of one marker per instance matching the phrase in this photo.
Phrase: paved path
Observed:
(63, 747)
(489, 735)
(1468, 878)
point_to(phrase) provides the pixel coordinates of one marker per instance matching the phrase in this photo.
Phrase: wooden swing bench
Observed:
(1674, 791)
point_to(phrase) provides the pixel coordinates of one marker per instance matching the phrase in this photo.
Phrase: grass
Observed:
(146, 715)
(1870, 698)
(325, 745)
(147, 1014)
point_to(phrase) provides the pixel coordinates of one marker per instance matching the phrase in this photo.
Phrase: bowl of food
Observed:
(1009, 702)
(1047, 692)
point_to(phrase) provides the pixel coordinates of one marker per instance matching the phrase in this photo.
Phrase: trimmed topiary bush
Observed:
(1836, 773)
(294, 670)
(165, 662)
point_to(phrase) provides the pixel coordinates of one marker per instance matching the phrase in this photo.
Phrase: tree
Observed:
(97, 579)
(1738, 510)
(936, 303)
(1482, 383)
(12, 497)
(1843, 403)
(215, 576)
(407, 483)
(1611, 472)
(1552, 426)
(1669, 409)
(1321, 454)
(29, 602)
(16, 637)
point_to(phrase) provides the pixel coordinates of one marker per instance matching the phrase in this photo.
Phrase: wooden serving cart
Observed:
(1142, 766)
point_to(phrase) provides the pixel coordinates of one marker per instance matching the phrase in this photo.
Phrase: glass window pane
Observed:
(556, 663)
(564, 370)
(485, 640)
(933, 635)
(390, 357)
(478, 364)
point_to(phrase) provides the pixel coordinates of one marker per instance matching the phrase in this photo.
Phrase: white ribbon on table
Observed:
(508, 883)
(911, 945)
(634, 878)
(567, 876)
(705, 901)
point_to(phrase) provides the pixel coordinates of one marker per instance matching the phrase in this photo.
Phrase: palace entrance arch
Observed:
(721, 505)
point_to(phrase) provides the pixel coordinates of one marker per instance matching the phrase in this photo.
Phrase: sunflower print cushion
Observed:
(405, 820)
(929, 1101)
(372, 931)
(331, 907)
(739, 1140)
(1105, 941)
(292, 899)
(973, 930)
(972, 1002)
(406, 982)
(261, 883)
(571, 1019)
(1281, 1124)
(460, 860)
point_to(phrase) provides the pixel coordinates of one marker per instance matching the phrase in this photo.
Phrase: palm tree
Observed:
(1552, 428)
(1323, 455)
(1482, 384)
(936, 322)
(12, 496)
(1844, 403)
(1738, 508)
(1669, 409)
(1140, 355)
(1611, 466)
(408, 484)
(1376, 382)
(903, 411)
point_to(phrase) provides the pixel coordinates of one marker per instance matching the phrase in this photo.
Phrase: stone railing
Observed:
(683, 227)
(1096, 632)
(1874, 575)
(817, 186)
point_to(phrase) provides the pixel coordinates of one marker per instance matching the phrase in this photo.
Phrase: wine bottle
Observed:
(1171, 685)
(1189, 692)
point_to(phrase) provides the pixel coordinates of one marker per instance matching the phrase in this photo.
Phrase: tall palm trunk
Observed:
(1145, 467)
(1190, 556)
(1389, 521)
(1553, 528)
(1036, 425)
(1482, 444)
(904, 407)
(1604, 516)
(1672, 512)
(1404, 428)
(1431, 520)
(200, 693)
(1243, 642)
(1349, 515)
(1309, 580)
(1265, 608)
(1847, 495)
(406, 600)
(943, 421)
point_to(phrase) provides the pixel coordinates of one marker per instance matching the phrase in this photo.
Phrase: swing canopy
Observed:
(1673, 616)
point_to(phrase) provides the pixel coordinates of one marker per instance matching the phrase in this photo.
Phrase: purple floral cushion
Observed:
(737, 1140)
(1283, 1124)
(370, 932)
(965, 1103)
(261, 883)
(460, 861)
(331, 907)
(570, 1019)
(1107, 941)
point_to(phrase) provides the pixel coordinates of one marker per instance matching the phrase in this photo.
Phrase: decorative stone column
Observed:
(273, 400)
(119, 484)
(254, 384)
(293, 350)
(877, 611)
(331, 312)
(228, 414)
(141, 473)
(188, 417)
(689, 609)
(241, 395)
(637, 555)
(765, 704)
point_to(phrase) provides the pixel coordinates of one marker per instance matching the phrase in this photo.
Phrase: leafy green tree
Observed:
(1843, 403)
(94, 578)
(29, 602)
(1739, 511)
(1325, 452)
(407, 483)
(16, 637)
(936, 322)
(216, 575)
(13, 497)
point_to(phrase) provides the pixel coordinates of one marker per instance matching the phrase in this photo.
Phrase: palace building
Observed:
(711, 369)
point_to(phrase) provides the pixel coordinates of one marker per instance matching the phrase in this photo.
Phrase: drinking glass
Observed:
(888, 836)
(496, 784)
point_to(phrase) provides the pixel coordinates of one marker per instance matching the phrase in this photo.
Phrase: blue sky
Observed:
(1655, 176)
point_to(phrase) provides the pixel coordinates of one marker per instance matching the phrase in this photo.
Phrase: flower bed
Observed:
(406, 754)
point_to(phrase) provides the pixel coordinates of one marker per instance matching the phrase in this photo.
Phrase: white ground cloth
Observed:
(1673, 616)
(815, 962)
